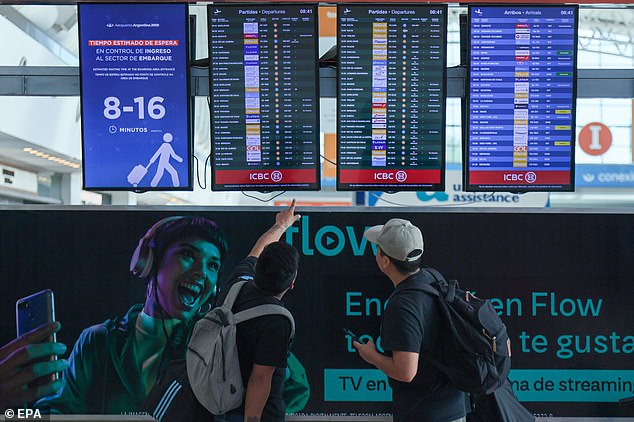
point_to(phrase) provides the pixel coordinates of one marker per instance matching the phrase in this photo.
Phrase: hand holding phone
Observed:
(352, 335)
(21, 364)
(28, 365)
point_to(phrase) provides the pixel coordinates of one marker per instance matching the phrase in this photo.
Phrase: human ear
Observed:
(384, 260)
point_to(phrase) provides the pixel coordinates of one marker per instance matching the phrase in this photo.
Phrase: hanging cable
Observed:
(326, 159)
(204, 171)
(263, 200)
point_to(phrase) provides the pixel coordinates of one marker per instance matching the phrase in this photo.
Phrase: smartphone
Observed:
(34, 311)
(352, 335)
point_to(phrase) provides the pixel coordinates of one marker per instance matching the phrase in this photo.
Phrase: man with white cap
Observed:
(410, 327)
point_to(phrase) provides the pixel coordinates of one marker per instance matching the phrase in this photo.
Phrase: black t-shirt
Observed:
(263, 340)
(411, 323)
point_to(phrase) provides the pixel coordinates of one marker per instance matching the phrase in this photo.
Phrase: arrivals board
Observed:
(264, 97)
(135, 103)
(391, 97)
(521, 98)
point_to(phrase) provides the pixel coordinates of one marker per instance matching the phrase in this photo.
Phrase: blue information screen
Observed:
(521, 102)
(135, 96)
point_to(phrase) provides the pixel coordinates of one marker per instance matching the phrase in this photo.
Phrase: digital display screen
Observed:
(264, 97)
(521, 98)
(135, 100)
(391, 97)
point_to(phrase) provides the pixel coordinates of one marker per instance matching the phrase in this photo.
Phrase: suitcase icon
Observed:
(137, 173)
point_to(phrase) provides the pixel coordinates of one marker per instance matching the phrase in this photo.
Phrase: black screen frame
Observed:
(215, 186)
(397, 187)
(466, 111)
(188, 103)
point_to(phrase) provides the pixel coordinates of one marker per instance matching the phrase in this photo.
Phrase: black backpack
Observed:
(476, 349)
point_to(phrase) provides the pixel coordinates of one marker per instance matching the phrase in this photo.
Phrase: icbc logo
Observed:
(513, 177)
(258, 176)
(401, 176)
(276, 176)
(383, 176)
(529, 177)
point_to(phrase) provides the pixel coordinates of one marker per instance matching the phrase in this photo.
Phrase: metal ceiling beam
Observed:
(38, 35)
(55, 81)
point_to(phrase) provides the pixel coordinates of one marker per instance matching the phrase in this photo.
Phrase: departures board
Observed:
(264, 97)
(391, 97)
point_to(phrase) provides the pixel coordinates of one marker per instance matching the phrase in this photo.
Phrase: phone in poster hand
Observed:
(352, 335)
(34, 311)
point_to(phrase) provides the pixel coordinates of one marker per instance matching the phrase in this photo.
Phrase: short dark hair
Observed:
(186, 226)
(405, 267)
(276, 267)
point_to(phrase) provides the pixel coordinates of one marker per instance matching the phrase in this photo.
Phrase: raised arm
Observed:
(283, 220)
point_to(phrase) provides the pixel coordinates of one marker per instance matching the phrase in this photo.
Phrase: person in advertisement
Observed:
(263, 342)
(114, 365)
(410, 326)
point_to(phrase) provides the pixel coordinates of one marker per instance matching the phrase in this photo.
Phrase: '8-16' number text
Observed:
(155, 108)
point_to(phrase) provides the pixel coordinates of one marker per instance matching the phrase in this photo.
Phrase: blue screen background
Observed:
(110, 153)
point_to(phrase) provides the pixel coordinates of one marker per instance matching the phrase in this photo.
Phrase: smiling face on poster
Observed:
(135, 96)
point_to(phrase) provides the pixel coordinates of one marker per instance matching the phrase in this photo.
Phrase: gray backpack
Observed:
(213, 367)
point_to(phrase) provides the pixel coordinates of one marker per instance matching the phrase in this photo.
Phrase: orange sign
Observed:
(327, 21)
(595, 138)
(330, 155)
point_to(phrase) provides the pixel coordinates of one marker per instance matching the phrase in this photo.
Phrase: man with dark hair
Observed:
(276, 268)
(263, 342)
(114, 365)
(410, 327)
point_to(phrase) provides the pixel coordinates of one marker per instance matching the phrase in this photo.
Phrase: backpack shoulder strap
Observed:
(268, 309)
(432, 288)
(233, 293)
(436, 274)
(448, 289)
(427, 288)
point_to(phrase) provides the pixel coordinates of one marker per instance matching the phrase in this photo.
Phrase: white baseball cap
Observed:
(397, 238)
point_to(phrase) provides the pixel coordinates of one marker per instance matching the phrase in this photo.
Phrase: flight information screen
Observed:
(264, 97)
(521, 98)
(391, 97)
